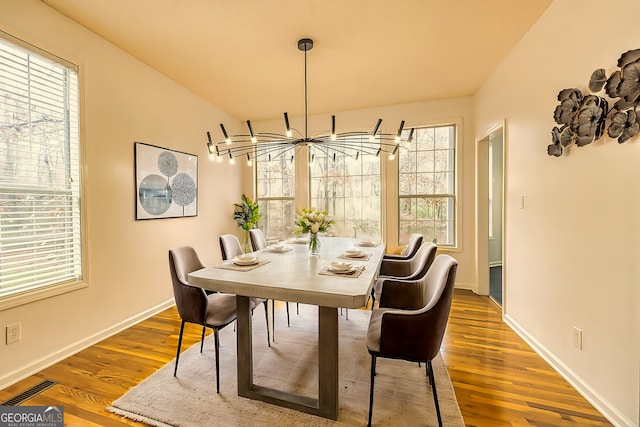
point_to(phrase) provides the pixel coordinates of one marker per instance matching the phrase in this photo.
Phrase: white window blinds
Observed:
(40, 242)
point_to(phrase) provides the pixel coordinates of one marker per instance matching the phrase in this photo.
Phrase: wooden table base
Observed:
(326, 405)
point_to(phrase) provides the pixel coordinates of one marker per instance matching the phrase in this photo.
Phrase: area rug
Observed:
(402, 391)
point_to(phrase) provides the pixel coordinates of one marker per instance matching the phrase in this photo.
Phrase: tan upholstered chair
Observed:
(231, 248)
(213, 311)
(405, 269)
(258, 242)
(257, 239)
(415, 241)
(412, 319)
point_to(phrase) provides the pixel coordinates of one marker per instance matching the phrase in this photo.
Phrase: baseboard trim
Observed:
(61, 354)
(464, 286)
(605, 407)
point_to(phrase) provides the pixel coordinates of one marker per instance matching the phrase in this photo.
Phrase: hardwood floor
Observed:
(498, 379)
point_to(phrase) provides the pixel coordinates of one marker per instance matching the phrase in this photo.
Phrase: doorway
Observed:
(496, 202)
(491, 189)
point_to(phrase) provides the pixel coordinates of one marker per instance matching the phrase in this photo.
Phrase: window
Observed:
(276, 194)
(427, 190)
(348, 188)
(40, 242)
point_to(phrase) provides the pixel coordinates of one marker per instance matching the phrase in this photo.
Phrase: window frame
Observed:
(267, 199)
(26, 295)
(382, 183)
(455, 196)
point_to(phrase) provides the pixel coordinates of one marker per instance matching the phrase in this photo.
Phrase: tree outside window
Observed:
(348, 188)
(427, 199)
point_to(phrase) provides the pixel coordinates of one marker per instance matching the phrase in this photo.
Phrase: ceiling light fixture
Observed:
(267, 144)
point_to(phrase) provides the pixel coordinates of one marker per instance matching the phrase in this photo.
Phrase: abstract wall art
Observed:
(166, 182)
(584, 117)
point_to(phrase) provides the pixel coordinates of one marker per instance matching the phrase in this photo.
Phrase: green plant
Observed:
(247, 213)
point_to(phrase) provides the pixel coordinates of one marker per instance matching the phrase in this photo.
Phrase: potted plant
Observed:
(247, 215)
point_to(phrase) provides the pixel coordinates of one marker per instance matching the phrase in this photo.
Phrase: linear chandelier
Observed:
(270, 145)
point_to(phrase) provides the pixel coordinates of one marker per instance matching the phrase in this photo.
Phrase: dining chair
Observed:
(231, 248)
(411, 321)
(415, 241)
(258, 241)
(413, 268)
(215, 310)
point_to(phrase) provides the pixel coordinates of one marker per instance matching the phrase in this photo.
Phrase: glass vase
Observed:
(314, 243)
(246, 244)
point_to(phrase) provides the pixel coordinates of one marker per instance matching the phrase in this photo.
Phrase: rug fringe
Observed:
(137, 417)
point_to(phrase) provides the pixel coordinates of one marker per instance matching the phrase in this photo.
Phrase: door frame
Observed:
(482, 210)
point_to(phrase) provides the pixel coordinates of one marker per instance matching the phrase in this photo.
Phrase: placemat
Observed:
(282, 251)
(229, 265)
(357, 271)
(356, 258)
(372, 245)
(299, 242)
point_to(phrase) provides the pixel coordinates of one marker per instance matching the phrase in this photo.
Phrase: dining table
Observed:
(288, 272)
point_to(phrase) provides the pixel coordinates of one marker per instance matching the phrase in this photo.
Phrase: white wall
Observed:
(572, 253)
(127, 266)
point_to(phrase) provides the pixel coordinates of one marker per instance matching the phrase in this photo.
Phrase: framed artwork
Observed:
(166, 182)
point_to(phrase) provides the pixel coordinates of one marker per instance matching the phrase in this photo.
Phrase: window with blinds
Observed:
(40, 230)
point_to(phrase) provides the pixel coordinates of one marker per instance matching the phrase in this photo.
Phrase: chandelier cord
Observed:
(306, 115)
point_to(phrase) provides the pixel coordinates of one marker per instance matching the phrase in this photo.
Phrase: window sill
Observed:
(32, 295)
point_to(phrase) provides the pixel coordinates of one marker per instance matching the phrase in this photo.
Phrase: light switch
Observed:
(521, 201)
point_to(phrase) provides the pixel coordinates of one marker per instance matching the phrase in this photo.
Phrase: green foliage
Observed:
(247, 213)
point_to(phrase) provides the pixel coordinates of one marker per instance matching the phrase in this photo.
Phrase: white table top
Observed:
(293, 276)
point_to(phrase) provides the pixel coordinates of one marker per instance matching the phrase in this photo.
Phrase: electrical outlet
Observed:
(13, 333)
(577, 337)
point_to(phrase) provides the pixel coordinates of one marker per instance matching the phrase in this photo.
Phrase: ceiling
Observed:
(242, 55)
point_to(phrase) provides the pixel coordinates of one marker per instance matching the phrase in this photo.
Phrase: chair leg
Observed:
(298, 308)
(288, 323)
(266, 317)
(175, 370)
(373, 375)
(435, 393)
(273, 320)
(217, 340)
(373, 299)
(202, 339)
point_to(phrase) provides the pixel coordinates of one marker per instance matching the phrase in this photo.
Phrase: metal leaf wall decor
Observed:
(583, 118)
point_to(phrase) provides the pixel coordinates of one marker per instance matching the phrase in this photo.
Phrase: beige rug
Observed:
(402, 392)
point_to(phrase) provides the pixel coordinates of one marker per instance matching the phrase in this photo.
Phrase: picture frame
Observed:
(166, 182)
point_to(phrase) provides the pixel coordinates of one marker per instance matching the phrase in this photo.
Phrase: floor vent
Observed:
(29, 393)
